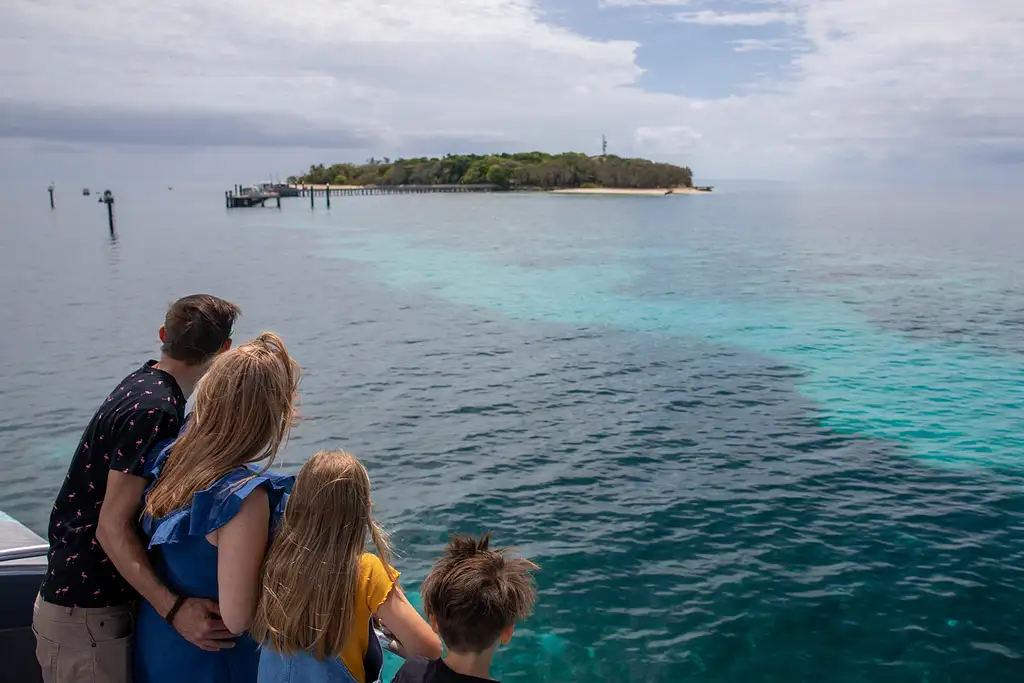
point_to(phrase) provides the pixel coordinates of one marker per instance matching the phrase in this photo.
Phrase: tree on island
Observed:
(525, 170)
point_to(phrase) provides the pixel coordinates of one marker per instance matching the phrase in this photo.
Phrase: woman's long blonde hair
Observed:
(311, 576)
(244, 408)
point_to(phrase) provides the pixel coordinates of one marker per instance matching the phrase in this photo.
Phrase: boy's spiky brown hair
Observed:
(474, 593)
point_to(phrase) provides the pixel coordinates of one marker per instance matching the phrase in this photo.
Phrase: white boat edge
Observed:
(20, 547)
(22, 567)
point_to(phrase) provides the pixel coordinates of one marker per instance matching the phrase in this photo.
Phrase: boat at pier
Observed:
(280, 189)
(250, 195)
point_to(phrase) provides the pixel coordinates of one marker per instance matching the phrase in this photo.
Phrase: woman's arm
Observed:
(117, 534)
(241, 546)
(408, 627)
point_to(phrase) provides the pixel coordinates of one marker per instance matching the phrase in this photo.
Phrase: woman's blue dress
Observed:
(187, 563)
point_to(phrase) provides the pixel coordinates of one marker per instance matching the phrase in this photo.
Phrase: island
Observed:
(567, 173)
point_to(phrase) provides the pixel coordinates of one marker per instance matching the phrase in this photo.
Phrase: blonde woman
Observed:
(212, 507)
(320, 590)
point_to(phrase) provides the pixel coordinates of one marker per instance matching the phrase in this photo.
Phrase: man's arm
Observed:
(117, 535)
(196, 620)
(139, 431)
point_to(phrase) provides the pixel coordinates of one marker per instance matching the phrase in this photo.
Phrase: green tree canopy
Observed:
(525, 170)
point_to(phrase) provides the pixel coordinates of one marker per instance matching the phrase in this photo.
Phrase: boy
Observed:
(97, 567)
(473, 598)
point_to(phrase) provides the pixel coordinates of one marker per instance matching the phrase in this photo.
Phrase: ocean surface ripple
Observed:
(748, 437)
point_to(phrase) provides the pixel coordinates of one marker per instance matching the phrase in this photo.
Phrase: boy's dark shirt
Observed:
(145, 408)
(423, 670)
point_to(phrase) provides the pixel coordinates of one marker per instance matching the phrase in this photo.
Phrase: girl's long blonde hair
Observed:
(244, 408)
(311, 575)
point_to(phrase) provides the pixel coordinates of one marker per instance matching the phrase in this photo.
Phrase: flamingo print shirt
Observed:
(145, 408)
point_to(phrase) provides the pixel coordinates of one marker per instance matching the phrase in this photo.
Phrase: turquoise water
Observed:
(965, 400)
(760, 435)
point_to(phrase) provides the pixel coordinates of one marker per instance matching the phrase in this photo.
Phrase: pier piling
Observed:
(327, 192)
(311, 197)
(50, 190)
(108, 199)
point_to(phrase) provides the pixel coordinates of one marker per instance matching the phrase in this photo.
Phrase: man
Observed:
(97, 565)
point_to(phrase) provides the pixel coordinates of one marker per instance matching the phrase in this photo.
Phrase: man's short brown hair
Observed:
(197, 326)
(474, 593)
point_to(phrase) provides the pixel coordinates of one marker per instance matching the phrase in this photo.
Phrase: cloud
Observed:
(457, 68)
(931, 80)
(667, 139)
(187, 128)
(763, 45)
(712, 18)
(915, 77)
(645, 3)
(442, 142)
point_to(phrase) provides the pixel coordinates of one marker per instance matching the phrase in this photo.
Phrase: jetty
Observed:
(244, 196)
(349, 190)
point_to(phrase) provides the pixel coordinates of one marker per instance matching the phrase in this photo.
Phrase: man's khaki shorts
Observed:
(84, 644)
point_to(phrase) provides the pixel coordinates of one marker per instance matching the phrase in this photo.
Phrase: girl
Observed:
(320, 590)
(211, 509)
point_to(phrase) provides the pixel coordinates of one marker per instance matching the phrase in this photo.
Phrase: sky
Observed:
(769, 89)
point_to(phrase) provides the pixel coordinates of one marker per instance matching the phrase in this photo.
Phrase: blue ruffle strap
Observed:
(151, 470)
(215, 506)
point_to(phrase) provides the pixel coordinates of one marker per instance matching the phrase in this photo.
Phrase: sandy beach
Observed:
(631, 191)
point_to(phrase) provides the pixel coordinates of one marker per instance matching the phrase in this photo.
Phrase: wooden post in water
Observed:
(50, 190)
(328, 192)
(108, 199)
